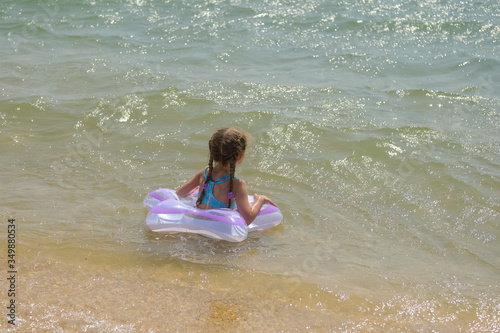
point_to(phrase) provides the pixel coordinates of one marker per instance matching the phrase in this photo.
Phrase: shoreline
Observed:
(56, 295)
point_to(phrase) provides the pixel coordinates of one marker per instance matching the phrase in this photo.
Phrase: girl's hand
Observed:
(264, 198)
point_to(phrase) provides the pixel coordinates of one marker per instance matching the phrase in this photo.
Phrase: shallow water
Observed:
(375, 130)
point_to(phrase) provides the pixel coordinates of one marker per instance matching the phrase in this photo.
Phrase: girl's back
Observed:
(217, 189)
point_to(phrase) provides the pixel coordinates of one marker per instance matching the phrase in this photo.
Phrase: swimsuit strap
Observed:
(220, 180)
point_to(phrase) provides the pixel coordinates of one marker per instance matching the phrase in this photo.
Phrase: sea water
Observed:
(375, 129)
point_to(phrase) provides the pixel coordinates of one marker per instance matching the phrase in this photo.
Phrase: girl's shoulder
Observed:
(239, 184)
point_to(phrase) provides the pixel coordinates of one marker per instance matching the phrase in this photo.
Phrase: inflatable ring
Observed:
(169, 213)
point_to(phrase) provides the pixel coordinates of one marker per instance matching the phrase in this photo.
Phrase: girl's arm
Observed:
(190, 186)
(249, 213)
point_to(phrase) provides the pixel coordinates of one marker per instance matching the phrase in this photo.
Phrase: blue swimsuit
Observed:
(209, 197)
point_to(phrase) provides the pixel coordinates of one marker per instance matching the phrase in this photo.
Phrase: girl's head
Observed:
(227, 145)
(227, 148)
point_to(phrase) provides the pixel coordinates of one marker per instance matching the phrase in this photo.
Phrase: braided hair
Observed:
(225, 146)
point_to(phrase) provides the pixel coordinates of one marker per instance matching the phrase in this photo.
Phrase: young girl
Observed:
(218, 186)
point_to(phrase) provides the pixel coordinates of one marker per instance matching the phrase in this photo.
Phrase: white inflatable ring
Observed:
(169, 213)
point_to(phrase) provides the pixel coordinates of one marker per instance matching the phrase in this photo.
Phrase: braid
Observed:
(209, 176)
(231, 177)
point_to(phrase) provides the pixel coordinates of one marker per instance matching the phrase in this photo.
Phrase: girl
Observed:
(227, 149)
